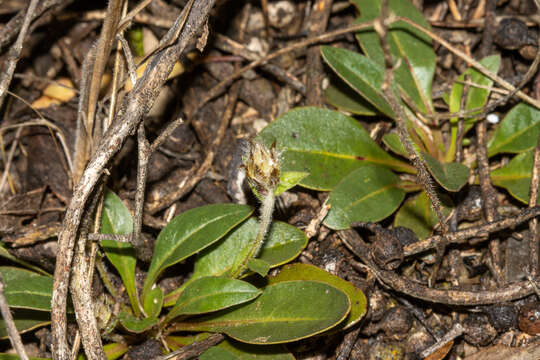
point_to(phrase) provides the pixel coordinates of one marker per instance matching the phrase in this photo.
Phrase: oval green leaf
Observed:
(258, 266)
(415, 74)
(418, 215)
(136, 325)
(283, 243)
(238, 351)
(25, 320)
(517, 132)
(340, 95)
(326, 144)
(190, 232)
(209, 294)
(310, 272)
(393, 142)
(451, 176)
(116, 219)
(369, 193)
(153, 303)
(231, 349)
(4, 356)
(27, 290)
(7, 255)
(360, 73)
(516, 176)
(284, 312)
(289, 179)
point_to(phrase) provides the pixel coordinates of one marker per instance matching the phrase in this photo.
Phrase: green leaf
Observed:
(289, 179)
(451, 176)
(360, 73)
(209, 294)
(135, 325)
(234, 350)
(259, 266)
(190, 232)
(229, 348)
(27, 290)
(516, 176)
(340, 95)
(393, 142)
(6, 255)
(417, 214)
(26, 320)
(476, 97)
(116, 219)
(415, 74)
(300, 271)
(136, 42)
(4, 356)
(153, 303)
(113, 351)
(517, 132)
(369, 193)
(285, 312)
(283, 243)
(325, 143)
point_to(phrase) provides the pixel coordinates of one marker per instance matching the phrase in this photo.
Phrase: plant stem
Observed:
(267, 208)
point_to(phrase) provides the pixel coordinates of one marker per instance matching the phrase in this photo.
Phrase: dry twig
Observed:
(136, 104)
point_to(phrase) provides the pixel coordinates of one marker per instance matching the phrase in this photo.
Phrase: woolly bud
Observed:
(262, 167)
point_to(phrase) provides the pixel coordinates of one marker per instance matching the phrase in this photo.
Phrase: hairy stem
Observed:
(267, 208)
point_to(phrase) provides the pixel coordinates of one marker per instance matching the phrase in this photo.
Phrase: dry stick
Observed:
(14, 336)
(224, 43)
(462, 236)
(81, 288)
(15, 52)
(87, 134)
(135, 106)
(422, 174)
(145, 150)
(533, 223)
(414, 289)
(317, 22)
(193, 350)
(12, 28)
(11, 153)
(344, 349)
(457, 330)
(489, 197)
(460, 129)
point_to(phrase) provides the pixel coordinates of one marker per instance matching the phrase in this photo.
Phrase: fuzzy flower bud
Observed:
(262, 167)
